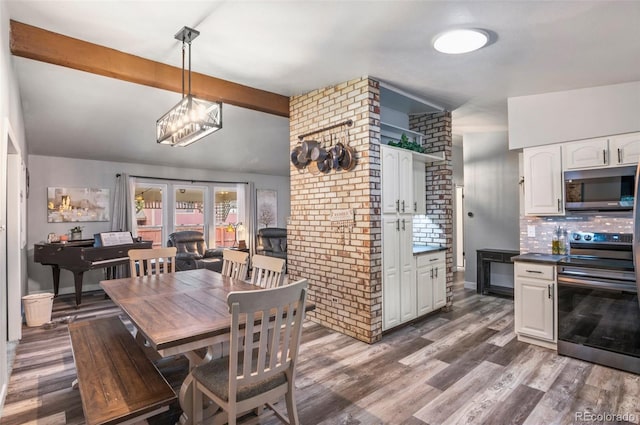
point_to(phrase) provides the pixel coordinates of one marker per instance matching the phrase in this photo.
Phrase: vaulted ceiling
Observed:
(292, 47)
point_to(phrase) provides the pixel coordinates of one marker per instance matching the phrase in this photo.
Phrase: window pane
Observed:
(226, 216)
(148, 211)
(189, 209)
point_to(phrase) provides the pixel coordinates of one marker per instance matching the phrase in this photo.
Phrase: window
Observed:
(216, 210)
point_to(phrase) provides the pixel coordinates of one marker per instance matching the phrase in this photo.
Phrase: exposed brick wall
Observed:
(345, 271)
(344, 274)
(436, 227)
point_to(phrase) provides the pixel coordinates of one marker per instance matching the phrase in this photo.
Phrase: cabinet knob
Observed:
(398, 205)
(619, 156)
(398, 225)
(604, 156)
(402, 206)
(549, 289)
(403, 225)
(415, 207)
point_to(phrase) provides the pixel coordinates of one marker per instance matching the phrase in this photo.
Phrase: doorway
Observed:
(458, 229)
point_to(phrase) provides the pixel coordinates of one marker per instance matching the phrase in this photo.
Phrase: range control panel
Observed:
(593, 237)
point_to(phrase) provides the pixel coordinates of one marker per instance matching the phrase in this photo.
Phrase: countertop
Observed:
(425, 249)
(533, 257)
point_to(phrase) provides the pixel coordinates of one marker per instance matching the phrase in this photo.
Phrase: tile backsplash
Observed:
(545, 228)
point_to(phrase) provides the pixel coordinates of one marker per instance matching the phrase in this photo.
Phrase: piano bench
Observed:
(117, 382)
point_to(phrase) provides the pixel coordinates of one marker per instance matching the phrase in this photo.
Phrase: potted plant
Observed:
(75, 233)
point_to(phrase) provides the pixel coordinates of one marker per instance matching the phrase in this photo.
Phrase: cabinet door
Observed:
(625, 149)
(424, 287)
(590, 153)
(391, 272)
(408, 307)
(543, 181)
(390, 179)
(439, 285)
(533, 308)
(405, 181)
(419, 188)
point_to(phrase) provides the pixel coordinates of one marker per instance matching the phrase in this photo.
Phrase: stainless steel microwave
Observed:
(601, 189)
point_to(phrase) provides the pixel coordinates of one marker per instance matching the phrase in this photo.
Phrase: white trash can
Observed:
(37, 308)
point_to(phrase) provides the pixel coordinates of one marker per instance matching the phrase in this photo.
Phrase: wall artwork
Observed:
(66, 204)
(267, 208)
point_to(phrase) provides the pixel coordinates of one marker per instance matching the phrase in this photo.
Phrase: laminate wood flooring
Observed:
(462, 366)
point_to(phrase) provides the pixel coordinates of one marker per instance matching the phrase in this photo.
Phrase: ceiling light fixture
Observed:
(191, 119)
(461, 41)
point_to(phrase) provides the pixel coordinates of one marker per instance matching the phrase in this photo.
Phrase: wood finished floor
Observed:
(463, 366)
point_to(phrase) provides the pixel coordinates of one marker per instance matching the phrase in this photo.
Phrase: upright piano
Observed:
(80, 256)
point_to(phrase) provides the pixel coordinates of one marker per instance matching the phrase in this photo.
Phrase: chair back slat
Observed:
(265, 332)
(235, 264)
(268, 272)
(152, 261)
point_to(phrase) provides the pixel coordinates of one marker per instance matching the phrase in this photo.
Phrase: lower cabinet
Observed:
(534, 302)
(408, 296)
(431, 278)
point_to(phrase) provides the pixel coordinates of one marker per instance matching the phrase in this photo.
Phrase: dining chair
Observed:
(235, 264)
(147, 262)
(268, 272)
(253, 376)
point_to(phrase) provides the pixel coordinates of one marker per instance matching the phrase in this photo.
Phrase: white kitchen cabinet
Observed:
(591, 153)
(398, 277)
(543, 181)
(419, 188)
(397, 180)
(534, 302)
(625, 149)
(431, 281)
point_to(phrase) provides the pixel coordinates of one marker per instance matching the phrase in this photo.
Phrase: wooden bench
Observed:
(117, 382)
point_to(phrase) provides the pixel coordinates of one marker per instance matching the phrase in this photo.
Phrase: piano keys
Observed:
(80, 256)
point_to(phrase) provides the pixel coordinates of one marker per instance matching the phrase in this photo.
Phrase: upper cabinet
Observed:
(397, 180)
(419, 188)
(543, 181)
(623, 149)
(592, 153)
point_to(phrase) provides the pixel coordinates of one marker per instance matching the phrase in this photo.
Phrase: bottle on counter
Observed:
(562, 241)
(555, 241)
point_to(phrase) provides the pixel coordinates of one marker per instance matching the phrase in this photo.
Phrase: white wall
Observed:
(573, 115)
(55, 171)
(10, 115)
(491, 193)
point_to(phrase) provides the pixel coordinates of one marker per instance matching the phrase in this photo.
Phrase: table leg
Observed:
(186, 390)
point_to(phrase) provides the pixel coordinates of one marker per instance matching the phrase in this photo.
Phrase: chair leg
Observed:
(292, 411)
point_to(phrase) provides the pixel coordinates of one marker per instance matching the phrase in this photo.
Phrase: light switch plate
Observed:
(531, 231)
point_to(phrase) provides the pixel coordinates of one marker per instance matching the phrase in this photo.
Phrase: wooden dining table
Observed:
(179, 313)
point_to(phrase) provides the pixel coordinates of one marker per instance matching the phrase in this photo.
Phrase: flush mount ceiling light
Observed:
(191, 119)
(460, 41)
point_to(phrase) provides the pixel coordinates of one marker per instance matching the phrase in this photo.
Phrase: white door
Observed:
(590, 153)
(390, 272)
(390, 180)
(534, 308)
(543, 181)
(625, 149)
(4, 141)
(408, 306)
(459, 228)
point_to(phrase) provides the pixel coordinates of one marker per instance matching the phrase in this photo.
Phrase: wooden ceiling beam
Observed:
(36, 43)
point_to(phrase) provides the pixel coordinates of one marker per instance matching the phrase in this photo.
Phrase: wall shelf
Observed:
(391, 130)
(426, 158)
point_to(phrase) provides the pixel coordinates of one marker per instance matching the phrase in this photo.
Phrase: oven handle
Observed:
(595, 284)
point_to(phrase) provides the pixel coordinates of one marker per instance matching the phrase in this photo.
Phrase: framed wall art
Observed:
(266, 208)
(65, 204)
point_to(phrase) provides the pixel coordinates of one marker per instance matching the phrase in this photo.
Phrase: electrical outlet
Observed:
(531, 231)
(334, 301)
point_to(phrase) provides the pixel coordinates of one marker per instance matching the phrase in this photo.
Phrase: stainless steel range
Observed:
(598, 313)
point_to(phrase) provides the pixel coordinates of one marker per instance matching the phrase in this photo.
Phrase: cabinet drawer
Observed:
(535, 271)
(429, 259)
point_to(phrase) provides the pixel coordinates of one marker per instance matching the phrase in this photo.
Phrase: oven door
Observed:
(599, 321)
